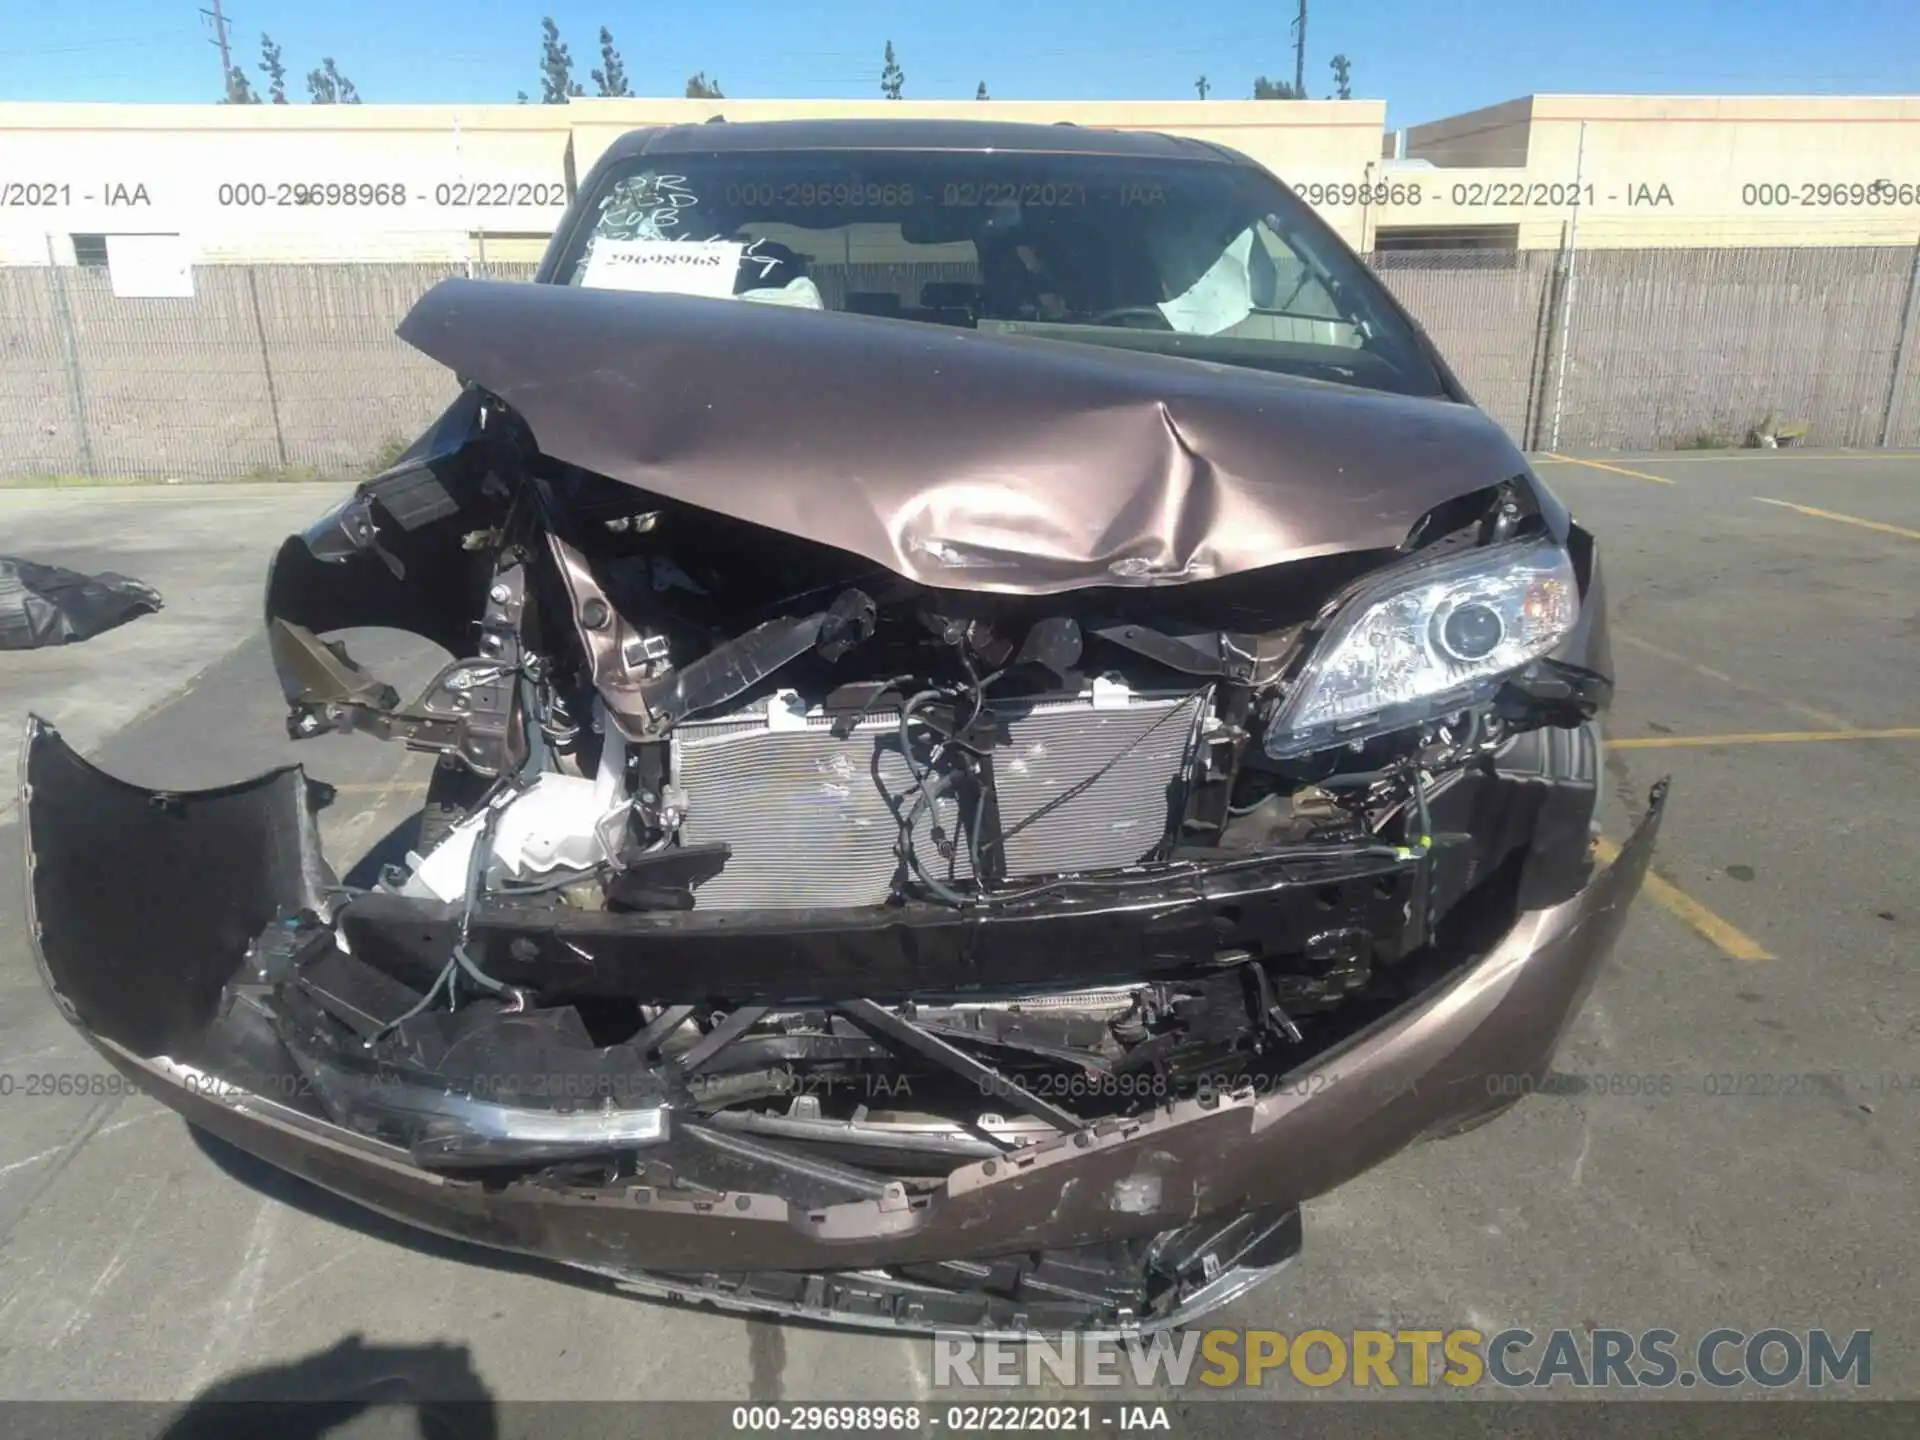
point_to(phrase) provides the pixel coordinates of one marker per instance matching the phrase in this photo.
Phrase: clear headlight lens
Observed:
(1427, 641)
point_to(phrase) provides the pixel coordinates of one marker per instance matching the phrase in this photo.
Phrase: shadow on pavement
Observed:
(352, 1389)
(390, 849)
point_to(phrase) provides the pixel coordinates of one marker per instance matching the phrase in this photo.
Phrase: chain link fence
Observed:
(1658, 349)
(293, 371)
(266, 372)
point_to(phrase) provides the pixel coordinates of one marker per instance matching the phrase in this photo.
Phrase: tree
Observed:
(1265, 89)
(981, 93)
(1342, 77)
(892, 77)
(611, 78)
(1203, 86)
(556, 67)
(700, 87)
(327, 86)
(274, 69)
(239, 92)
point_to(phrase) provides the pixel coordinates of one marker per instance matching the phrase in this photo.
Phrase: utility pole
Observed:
(1299, 52)
(1566, 294)
(220, 39)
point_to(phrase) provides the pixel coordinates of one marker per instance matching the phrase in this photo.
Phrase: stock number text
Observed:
(1828, 193)
(808, 194)
(1383, 192)
(273, 194)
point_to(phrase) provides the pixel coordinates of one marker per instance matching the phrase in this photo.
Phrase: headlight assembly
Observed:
(1425, 641)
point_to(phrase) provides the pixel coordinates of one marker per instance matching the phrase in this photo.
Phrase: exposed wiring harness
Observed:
(460, 962)
(547, 884)
(925, 794)
(1423, 843)
(928, 790)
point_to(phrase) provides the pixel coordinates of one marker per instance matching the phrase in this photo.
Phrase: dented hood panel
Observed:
(959, 459)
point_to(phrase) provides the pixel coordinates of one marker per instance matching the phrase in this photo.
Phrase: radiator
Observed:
(814, 820)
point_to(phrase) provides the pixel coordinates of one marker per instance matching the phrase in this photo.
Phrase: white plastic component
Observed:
(560, 822)
(799, 293)
(551, 827)
(1111, 692)
(786, 711)
(442, 873)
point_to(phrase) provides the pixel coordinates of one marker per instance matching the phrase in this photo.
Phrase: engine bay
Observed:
(837, 868)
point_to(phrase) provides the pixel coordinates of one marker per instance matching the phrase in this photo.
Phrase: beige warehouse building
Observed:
(1676, 171)
(448, 184)
(213, 291)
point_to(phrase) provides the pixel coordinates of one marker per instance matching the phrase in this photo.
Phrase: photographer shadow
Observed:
(350, 1391)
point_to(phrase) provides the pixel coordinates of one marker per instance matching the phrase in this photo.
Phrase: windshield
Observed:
(1206, 260)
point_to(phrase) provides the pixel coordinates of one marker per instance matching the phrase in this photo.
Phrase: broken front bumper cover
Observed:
(143, 905)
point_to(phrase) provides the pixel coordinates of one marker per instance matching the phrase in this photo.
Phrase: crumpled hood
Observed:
(959, 459)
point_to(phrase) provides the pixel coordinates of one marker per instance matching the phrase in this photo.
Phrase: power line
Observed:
(112, 42)
(1144, 48)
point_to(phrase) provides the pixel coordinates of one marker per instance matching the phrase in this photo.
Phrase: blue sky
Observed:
(1425, 59)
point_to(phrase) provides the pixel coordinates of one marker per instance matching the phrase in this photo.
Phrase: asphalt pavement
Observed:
(1731, 1141)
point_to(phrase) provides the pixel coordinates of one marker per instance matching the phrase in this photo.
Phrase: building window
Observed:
(508, 247)
(90, 250)
(1447, 237)
(1454, 247)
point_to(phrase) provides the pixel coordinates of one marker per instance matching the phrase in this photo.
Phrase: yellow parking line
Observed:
(1762, 737)
(1676, 657)
(1743, 454)
(1726, 937)
(1813, 713)
(1880, 525)
(1601, 465)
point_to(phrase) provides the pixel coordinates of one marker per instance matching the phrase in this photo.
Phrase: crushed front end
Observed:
(791, 933)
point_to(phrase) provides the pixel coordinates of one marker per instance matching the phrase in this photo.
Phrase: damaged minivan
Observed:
(1005, 722)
